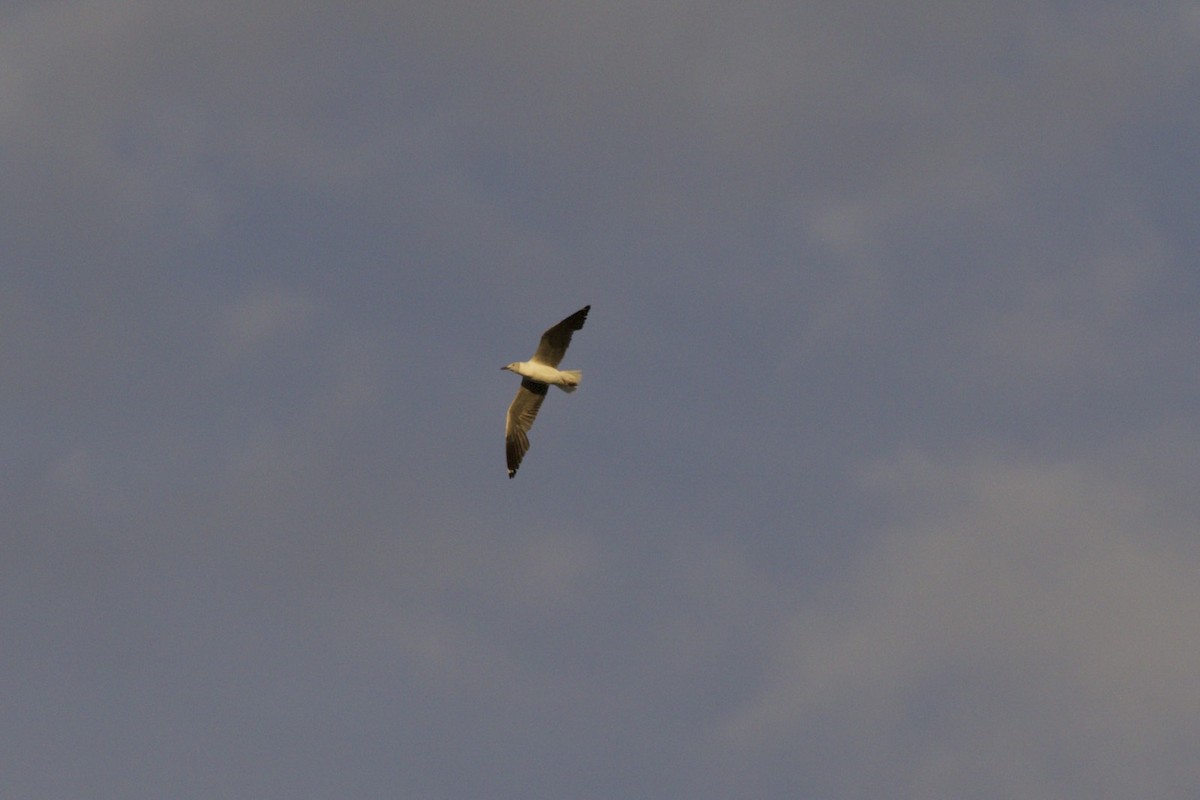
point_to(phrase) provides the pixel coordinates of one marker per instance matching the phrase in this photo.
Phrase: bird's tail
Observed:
(571, 378)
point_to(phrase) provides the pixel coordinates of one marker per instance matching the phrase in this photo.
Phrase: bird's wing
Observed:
(521, 415)
(554, 342)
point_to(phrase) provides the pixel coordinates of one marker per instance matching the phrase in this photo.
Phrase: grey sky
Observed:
(880, 482)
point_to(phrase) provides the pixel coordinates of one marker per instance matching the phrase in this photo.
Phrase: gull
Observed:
(537, 375)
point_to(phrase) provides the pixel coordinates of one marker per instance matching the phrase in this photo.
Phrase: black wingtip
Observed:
(577, 319)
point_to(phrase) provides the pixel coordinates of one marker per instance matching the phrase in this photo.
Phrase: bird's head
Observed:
(510, 367)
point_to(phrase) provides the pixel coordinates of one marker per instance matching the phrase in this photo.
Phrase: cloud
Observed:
(904, 503)
(1075, 315)
(1026, 624)
(259, 317)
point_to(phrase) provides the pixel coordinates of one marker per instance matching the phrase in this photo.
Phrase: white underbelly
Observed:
(542, 373)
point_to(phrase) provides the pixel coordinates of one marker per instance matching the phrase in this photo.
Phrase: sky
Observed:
(881, 480)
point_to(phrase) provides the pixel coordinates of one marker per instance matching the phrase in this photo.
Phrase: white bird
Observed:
(537, 375)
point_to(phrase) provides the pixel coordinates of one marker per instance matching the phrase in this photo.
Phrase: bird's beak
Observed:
(504, 367)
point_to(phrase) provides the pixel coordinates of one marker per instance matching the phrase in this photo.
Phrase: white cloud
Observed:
(1028, 625)
(160, 113)
(260, 317)
(1079, 310)
(927, 202)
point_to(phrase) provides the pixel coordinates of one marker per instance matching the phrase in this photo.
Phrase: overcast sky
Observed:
(881, 481)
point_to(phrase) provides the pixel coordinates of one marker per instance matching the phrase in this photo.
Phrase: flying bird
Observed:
(537, 375)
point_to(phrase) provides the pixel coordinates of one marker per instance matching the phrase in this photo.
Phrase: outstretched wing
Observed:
(554, 342)
(521, 415)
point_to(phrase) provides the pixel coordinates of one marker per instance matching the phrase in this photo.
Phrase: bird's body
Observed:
(538, 374)
(567, 380)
